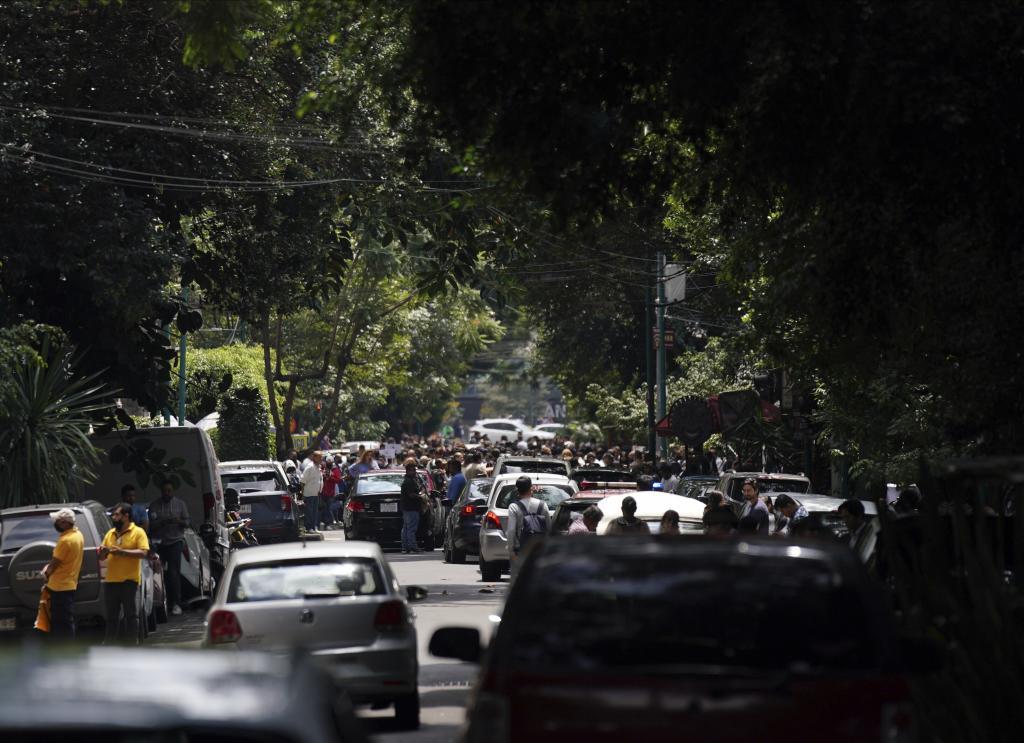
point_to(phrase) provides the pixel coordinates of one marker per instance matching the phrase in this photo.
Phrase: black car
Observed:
(601, 474)
(373, 510)
(462, 527)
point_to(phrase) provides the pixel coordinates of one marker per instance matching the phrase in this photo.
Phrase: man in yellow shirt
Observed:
(61, 574)
(124, 548)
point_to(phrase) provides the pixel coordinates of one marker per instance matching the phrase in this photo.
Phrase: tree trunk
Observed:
(282, 436)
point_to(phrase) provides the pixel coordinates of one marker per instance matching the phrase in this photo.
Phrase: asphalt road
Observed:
(456, 597)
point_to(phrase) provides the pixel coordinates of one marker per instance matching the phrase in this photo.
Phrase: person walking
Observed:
(754, 516)
(628, 523)
(527, 519)
(474, 469)
(61, 574)
(457, 482)
(312, 484)
(787, 515)
(412, 505)
(168, 519)
(124, 548)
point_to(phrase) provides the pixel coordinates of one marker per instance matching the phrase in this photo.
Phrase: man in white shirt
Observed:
(312, 484)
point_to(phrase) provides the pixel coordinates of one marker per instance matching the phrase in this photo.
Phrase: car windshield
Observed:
(296, 579)
(379, 484)
(541, 468)
(265, 480)
(550, 494)
(17, 531)
(655, 613)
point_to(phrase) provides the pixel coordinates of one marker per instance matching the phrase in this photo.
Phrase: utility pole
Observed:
(652, 437)
(181, 367)
(663, 442)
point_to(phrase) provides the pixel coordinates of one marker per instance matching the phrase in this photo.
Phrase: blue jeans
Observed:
(336, 505)
(312, 512)
(410, 523)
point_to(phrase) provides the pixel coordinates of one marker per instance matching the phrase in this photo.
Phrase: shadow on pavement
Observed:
(382, 722)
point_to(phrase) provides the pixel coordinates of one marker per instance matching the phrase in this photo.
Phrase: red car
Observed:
(695, 639)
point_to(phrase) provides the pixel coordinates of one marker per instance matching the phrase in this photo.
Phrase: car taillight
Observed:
(491, 520)
(286, 503)
(390, 616)
(897, 723)
(587, 485)
(355, 505)
(468, 510)
(224, 627)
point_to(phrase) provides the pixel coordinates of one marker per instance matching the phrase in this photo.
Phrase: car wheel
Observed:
(457, 556)
(490, 572)
(407, 712)
(447, 554)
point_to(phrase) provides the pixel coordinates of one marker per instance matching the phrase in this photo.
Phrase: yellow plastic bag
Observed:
(43, 617)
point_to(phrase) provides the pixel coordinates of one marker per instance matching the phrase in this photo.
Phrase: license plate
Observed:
(245, 508)
(389, 508)
(8, 624)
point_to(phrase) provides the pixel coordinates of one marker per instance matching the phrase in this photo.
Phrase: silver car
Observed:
(552, 489)
(339, 601)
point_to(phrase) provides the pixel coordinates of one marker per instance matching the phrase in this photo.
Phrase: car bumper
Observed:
(467, 538)
(493, 545)
(284, 531)
(381, 529)
(369, 674)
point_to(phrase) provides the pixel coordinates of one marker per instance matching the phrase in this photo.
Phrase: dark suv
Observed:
(668, 639)
(27, 538)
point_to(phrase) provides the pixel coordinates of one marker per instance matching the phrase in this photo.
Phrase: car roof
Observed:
(652, 504)
(49, 507)
(542, 478)
(768, 475)
(251, 689)
(299, 550)
(816, 502)
(243, 464)
(701, 547)
(530, 458)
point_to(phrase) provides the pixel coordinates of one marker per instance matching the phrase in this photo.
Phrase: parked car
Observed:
(681, 639)
(552, 489)
(497, 429)
(118, 695)
(373, 509)
(510, 463)
(261, 494)
(696, 486)
(183, 455)
(340, 602)
(27, 539)
(731, 484)
(650, 507)
(462, 525)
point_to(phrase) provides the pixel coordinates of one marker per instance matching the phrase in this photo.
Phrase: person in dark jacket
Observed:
(412, 504)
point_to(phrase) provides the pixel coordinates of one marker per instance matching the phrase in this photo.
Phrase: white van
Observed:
(184, 455)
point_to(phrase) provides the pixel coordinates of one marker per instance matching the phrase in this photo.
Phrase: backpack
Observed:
(534, 525)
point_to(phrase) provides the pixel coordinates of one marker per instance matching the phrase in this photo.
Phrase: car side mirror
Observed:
(415, 593)
(460, 643)
(921, 655)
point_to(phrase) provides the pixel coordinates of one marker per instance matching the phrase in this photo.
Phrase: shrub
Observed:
(244, 427)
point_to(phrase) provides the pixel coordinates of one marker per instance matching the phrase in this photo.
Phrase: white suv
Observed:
(496, 428)
(552, 489)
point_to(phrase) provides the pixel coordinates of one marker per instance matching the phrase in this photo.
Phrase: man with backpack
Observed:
(527, 520)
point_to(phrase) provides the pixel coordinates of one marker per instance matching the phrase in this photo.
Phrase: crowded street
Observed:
(475, 371)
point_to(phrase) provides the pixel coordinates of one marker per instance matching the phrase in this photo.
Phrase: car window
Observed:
(648, 613)
(543, 468)
(265, 480)
(17, 531)
(379, 484)
(297, 579)
(550, 494)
